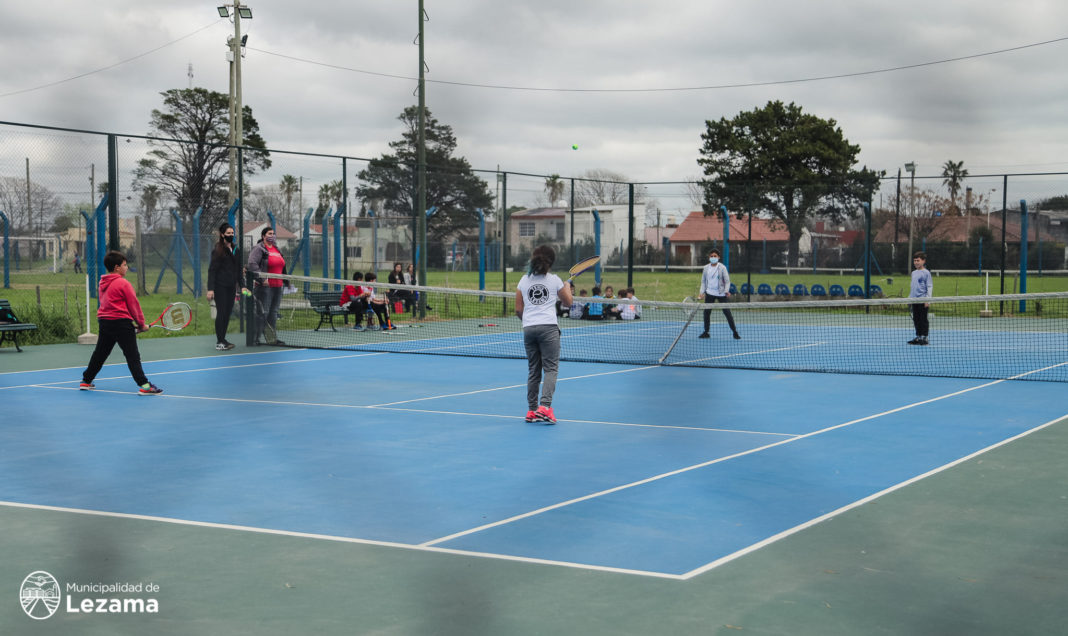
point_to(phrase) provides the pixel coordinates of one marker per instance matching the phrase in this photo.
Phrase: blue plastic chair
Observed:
(819, 290)
(876, 291)
(800, 290)
(764, 289)
(856, 291)
(782, 290)
(837, 290)
(734, 290)
(747, 288)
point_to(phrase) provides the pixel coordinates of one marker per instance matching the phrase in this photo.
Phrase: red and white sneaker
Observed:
(545, 414)
(86, 386)
(532, 416)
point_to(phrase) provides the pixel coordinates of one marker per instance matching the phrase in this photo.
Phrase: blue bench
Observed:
(734, 290)
(800, 290)
(819, 290)
(747, 289)
(876, 291)
(837, 290)
(764, 289)
(782, 290)
(856, 291)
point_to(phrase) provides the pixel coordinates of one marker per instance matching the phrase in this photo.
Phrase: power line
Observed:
(110, 66)
(818, 78)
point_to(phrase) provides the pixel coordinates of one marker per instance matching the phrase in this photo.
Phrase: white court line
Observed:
(718, 460)
(144, 362)
(173, 396)
(179, 371)
(747, 353)
(327, 537)
(860, 502)
(512, 386)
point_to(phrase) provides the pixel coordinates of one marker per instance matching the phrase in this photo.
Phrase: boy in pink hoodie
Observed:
(120, 320)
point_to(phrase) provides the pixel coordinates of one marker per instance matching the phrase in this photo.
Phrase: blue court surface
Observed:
(652, 470)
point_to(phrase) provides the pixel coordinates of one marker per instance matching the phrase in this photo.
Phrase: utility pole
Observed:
(911, 168)
(420, 183)
(237, 133)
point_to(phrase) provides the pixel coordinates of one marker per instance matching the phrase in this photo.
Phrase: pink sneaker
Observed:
(531, 416)
(545, 414)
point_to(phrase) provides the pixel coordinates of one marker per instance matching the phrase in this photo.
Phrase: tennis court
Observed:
(344, 490)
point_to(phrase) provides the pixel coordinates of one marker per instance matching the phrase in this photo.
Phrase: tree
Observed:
(331, 196)
(787, 163)
(953, 174)
(24, 219)
(149, 204)
(190, 159)
(602, 187)
(451, 185)
(289, 187)
(554, 188)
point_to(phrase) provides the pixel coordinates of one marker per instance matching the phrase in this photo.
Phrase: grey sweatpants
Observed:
(542, 343)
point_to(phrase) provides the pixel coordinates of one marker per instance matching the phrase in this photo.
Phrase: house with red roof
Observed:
(698, 230)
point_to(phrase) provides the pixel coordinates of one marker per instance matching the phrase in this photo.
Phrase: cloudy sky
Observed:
(629, 82)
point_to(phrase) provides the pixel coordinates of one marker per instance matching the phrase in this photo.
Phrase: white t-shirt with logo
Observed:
(539, 298)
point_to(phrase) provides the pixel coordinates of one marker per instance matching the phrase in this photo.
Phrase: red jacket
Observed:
(350, 293)
(118, 300)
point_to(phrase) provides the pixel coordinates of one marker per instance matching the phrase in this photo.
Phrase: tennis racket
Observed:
(583, 266)
(269, 333)
(175, 317)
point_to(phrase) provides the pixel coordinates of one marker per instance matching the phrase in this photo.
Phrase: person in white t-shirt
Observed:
(716, 288)
(535, 303)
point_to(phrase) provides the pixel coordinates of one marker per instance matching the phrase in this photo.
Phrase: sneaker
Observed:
(923, 341)
(150, 389)
(704, 335)
(86, 386)
(532, 416)
(229, 345)
(915, 341)
(545, 414)
(358, 328)
(220, 346)
(278, 343)
(736, 336)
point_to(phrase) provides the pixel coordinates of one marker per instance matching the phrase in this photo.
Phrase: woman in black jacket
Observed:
(224, 279)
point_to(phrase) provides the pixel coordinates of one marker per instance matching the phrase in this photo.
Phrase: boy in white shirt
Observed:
(716, 288)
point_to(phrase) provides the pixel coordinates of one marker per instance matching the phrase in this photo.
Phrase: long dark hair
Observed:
(542, 259)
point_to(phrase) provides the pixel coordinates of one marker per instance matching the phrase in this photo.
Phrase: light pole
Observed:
(910, 167)
(968, 211)
(237, 46)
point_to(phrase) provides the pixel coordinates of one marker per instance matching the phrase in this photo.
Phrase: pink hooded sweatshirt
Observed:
(118, 300)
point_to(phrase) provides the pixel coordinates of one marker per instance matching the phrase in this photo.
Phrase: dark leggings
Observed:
(114, 332)
(380, 311)
(919, 319)
(224, 307)
(726, 312)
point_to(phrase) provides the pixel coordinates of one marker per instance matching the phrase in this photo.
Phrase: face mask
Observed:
(229, 238)
(270, 240)
(713, 260)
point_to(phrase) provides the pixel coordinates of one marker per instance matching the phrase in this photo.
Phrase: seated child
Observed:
(354, 299)
(578, 308)
(594, 310)
(629, 311)
(378, 305)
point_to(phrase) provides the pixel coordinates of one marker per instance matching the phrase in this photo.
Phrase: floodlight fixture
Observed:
(244, 39)
(910, 167)
(245, 12)
(223, 13)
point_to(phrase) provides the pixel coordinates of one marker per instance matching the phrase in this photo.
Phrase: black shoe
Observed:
(923, 341)
(736, 336)
(704, 335)
(914, 341)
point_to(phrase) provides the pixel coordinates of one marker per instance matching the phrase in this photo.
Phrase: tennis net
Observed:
(1013, 336)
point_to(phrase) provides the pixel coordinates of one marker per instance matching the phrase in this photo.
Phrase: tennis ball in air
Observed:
(574, 146)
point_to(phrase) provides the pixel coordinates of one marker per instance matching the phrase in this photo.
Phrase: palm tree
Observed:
(554, 187)
(953, 174)
(289, 186)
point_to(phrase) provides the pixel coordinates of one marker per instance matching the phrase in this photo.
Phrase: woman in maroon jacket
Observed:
(120, 320)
